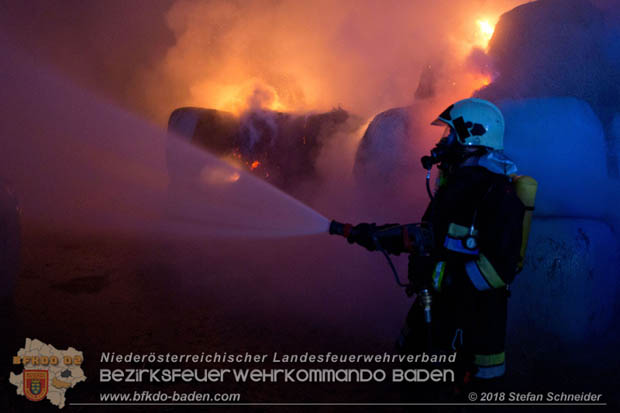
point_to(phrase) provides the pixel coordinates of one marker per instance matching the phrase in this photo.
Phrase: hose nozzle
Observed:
(338, 228)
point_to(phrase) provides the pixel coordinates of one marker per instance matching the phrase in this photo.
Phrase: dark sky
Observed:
(103, 45)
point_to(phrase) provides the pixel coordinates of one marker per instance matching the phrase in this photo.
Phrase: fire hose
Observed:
(421, 237)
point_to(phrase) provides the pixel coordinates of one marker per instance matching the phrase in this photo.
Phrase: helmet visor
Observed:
(447, 131)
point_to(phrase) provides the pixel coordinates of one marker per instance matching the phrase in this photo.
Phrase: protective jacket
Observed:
(477, 219)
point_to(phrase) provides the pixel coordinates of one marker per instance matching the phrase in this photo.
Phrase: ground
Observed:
(119, 294)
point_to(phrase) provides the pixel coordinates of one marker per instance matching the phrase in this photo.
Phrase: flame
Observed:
(478, 81)
(254, 165)
(474, 54)
(234, 177)
(214, 176)
(239, 97)
(298, 74)
(485, 31)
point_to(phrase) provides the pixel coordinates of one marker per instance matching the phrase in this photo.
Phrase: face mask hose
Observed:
(428, 184)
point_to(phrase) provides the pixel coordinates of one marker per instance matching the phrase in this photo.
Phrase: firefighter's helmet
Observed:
(475, 122)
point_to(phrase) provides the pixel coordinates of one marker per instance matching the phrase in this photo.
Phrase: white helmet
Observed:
(476, 122)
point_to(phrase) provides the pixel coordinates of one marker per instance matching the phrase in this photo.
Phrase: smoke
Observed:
(153, 56)
(88, 163)
(364, 56)
(104, 47)
(479, 61)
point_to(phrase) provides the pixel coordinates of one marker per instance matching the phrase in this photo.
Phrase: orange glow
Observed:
(254, 165)
(478, 73)
(215, 176)
(239, 97)
(299, 57)
(478, 81)
(486, 28)
(234, 177)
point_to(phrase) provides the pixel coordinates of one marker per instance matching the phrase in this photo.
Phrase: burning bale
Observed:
(281, 148)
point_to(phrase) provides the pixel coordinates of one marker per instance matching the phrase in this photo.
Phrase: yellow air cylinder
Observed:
(525, 187)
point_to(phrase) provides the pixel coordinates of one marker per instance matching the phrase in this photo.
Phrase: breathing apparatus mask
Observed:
(448, 151)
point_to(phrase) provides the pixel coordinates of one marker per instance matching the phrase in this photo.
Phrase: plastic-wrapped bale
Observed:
(564, 301)
(559, 141)
(387, 164)
(559, 48)
(380, 155)
(566, 295)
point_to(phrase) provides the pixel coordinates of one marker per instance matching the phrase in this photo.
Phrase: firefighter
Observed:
(467, 249)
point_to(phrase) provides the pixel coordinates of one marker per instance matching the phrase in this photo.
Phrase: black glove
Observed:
(362, 234)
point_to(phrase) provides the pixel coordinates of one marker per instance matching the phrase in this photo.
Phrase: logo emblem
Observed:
(35, 384)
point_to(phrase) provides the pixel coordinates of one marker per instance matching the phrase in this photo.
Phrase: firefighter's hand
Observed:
(362, 234)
